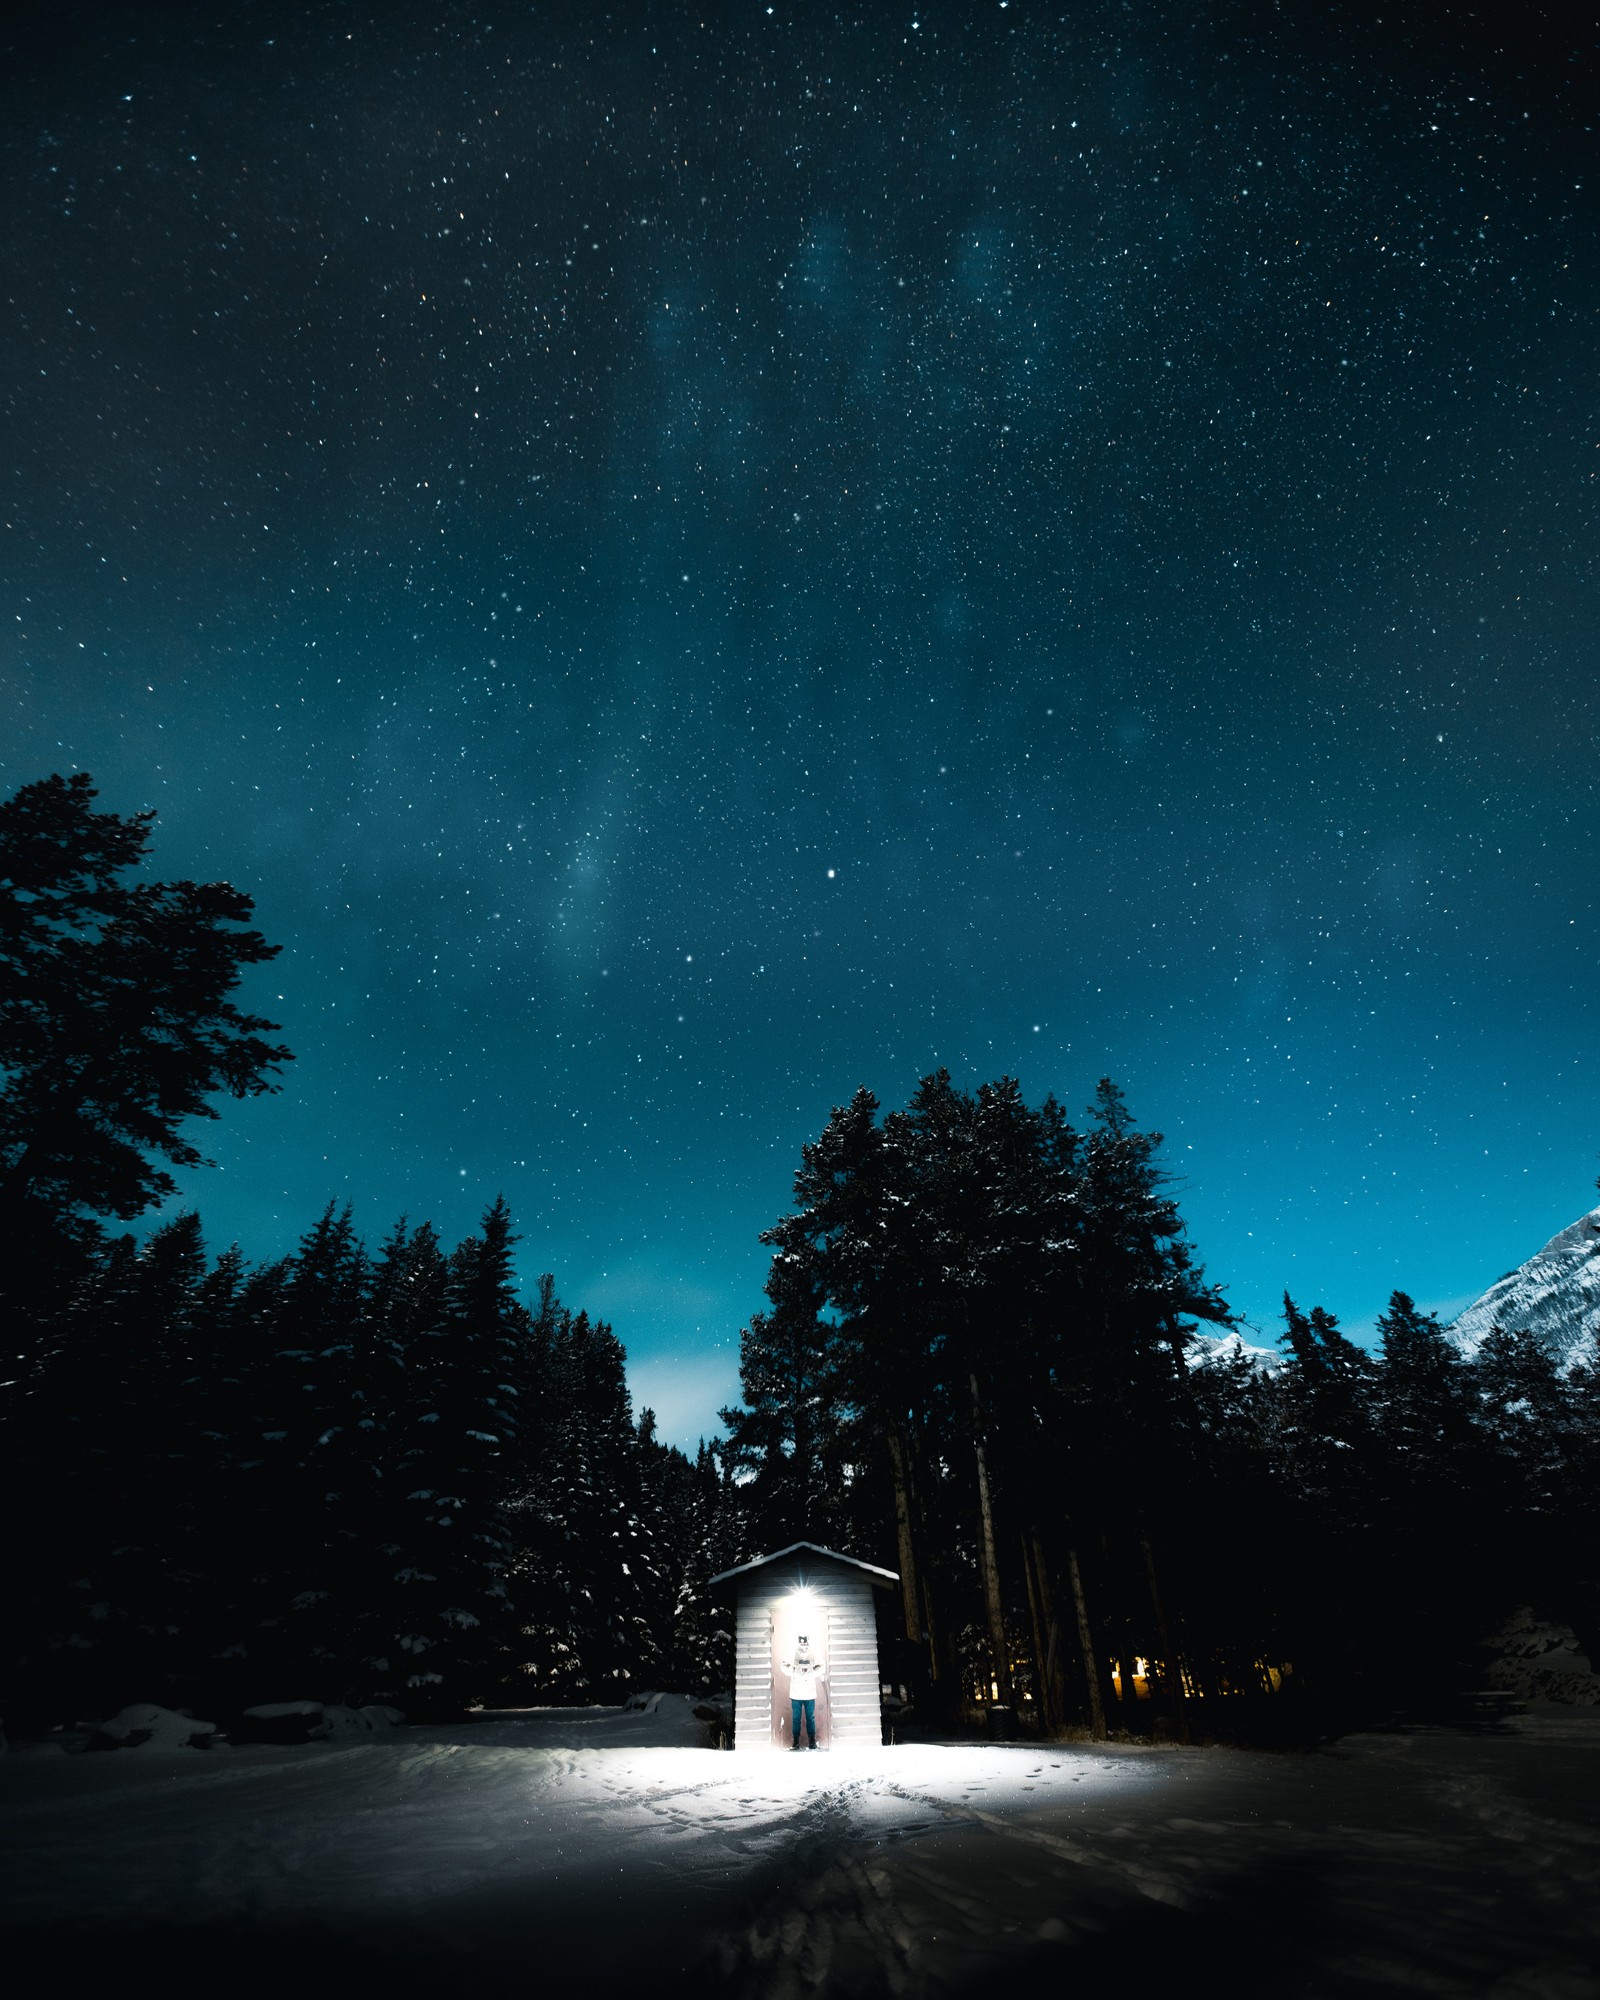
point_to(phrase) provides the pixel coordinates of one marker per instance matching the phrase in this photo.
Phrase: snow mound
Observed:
(645, 1721)
(1539, 1660)
(702, 1719)
(143, 1725)
(1555, 1295)
(315, 1721)
(374, 1720)
(666, 1719)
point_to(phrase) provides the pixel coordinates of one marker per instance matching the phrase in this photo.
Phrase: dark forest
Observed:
(376, 1472)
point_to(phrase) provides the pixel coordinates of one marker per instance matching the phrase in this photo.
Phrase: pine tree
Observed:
(257, 1490)
(961, 1296)
(1425, 1573)
(1329, 1384)
(666, 1512)
(117, 1028)
(326, 1460)
(116, 1025)
(716, 1540)
(219, 1394)
(837, 1381)
(1420, 1396)
(1520, 1416)
(455, 1449)
(407, 1312)
(784, 1436)
(586, 1580)
(113, 1583)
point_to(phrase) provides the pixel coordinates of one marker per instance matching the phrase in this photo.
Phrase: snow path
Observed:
(561, 1851)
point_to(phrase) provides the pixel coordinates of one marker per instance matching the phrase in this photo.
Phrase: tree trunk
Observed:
(902, 1522)
(1091, 1665)
(989, 1560)
(1055, 1680)
(1171, 1670)
(941, 1676)
(1041, 1689)
(946, 1665)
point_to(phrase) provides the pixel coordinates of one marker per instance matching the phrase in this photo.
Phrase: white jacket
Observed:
(804, 1673)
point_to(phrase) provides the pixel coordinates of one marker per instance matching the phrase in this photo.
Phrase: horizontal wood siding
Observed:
(752, 1690)
(853, 1668)
(853, 1709)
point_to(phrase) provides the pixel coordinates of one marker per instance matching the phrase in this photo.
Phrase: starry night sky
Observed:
(693, 558)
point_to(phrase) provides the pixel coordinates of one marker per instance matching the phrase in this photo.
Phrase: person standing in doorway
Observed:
(804, 1671)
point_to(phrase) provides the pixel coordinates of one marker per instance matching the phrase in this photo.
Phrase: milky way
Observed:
(692, 559)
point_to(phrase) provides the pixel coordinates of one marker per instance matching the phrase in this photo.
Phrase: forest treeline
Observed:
(362, 1472)
(355, 1469)
(365, 1471)
(990, 1362)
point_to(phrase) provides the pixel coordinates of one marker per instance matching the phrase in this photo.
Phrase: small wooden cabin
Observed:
(808, 1590)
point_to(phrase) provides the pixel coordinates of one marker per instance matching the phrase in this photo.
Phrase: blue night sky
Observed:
(692, 559)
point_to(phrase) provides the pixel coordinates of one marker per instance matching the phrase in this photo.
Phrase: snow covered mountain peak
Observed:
(1555, 1295)
(1219, 1350)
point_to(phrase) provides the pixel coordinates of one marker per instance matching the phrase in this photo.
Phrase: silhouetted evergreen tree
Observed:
(981, 1314)
(702, 1622)
(1520, 1415)
(1328, 1429)
(321, 1465)
(454, 1453)
(785, 1438)
(696, 1526)
(1428, 1551)
(116, 1025)
(113, 1420)
(1420, 1394)
(586, 1575)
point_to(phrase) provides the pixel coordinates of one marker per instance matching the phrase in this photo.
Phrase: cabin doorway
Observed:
(796, 1618)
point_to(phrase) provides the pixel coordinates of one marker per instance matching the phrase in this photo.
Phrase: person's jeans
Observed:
(808, 1710)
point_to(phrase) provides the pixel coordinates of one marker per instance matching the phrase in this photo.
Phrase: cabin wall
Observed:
(752, 1690)
(854, 1715)
(853, 1665)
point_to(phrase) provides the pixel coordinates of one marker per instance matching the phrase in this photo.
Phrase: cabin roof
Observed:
(882, 1579)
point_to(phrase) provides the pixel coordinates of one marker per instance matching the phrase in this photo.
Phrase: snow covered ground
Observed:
(602, 1850)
